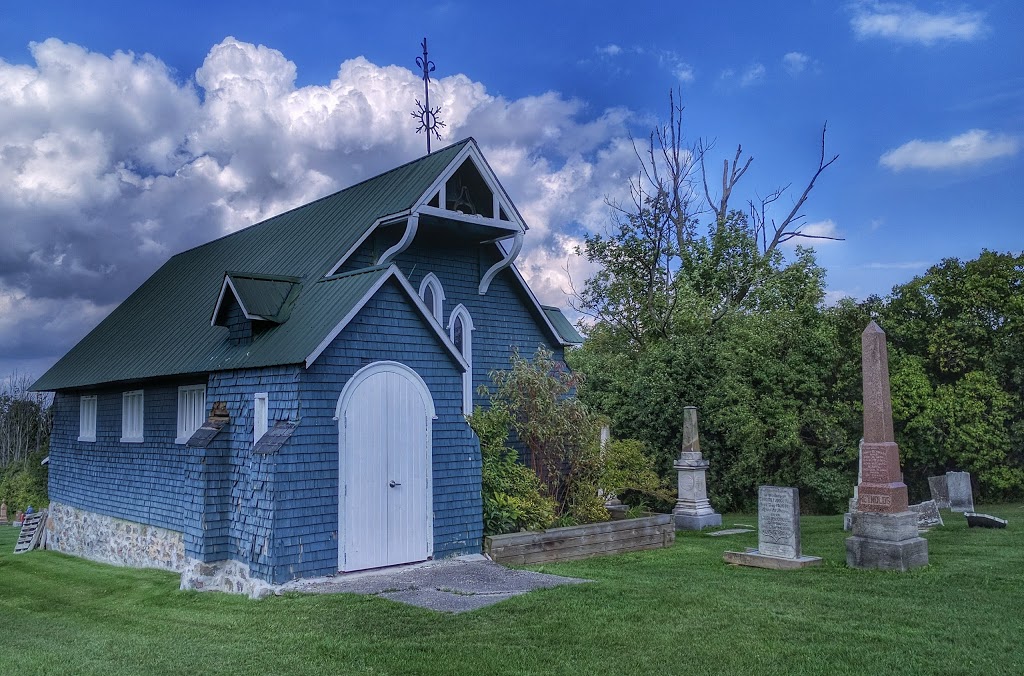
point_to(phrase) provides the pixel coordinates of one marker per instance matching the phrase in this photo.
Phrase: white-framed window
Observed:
(87, 418)
(191, 411)
(432, 294)
(260, 416)
(460, 330)
(132, 409)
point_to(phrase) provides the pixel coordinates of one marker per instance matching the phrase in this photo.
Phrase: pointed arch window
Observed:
(460, 330)
(433, 295)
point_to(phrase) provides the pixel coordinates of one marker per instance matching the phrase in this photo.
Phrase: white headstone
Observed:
(778, 521)
(961, 498)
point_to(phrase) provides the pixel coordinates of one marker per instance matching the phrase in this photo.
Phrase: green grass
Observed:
(677, 610)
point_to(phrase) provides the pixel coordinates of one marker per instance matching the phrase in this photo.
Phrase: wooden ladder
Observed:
(31, 531)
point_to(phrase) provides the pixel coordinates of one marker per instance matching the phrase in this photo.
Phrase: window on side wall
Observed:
(460, 330)
(191, 411)
(433, 295)
(87, 418)
(132, 410)
(261, 410)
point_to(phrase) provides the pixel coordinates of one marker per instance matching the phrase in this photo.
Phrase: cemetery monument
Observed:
(693, 511)
(885, 532)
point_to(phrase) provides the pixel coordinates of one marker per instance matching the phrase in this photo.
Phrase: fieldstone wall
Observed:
(225, 576)
(110, 540)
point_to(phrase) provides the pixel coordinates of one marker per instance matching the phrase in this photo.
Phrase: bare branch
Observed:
(793, 214)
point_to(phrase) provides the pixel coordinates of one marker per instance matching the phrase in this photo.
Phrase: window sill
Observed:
(182, 440)
(90, 440)
(131, 440)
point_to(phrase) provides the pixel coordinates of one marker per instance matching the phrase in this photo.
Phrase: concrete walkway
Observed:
(452, 586)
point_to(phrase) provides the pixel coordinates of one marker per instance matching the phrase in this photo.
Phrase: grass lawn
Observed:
(677, 610)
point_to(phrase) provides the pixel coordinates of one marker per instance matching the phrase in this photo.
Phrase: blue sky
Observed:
(129, 132)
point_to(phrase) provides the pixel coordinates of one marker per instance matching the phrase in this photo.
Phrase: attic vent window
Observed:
(467, 192)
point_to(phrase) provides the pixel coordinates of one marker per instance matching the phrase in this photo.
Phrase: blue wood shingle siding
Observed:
(503, 318)
(277, 513)
(143, 482)
(240, 486)
(307, 472)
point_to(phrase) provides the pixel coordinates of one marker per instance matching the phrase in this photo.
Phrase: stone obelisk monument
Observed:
(693, 511)
(884, 529)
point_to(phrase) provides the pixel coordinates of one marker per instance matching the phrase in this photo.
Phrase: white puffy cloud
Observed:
(906, 23)
(970, 148)
(795, 62)
(110, 164)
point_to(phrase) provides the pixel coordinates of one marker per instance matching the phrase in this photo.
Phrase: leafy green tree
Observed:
(685, 312)
(511, 491)
(560, 432)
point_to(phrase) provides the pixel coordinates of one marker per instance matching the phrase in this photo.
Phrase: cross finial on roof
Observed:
(429, 122)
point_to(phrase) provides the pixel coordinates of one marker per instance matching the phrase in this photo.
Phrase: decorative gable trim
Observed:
(515, 226)
(220, 301)
(392, 272)
(501, 199)
(492, 272)
(383, 220)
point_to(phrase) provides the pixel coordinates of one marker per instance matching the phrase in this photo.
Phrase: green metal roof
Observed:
(566, 331)
(164, 328)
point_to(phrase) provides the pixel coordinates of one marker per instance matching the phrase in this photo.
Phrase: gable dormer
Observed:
(250, 303)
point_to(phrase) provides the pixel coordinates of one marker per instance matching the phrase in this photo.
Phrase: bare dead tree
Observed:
(657, 243)
(789, 227)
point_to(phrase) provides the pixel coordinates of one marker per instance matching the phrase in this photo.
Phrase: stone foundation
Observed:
(106, 539)
(226, 576)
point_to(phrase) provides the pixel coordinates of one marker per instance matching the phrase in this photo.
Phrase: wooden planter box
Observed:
(580, 542)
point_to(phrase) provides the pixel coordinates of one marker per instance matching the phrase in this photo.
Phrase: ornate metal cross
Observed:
(429, 122)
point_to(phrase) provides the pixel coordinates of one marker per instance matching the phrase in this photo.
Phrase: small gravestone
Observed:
(927, 514)
(975, 520)
(961, 499)
(940, 490)
(778, 532)
(3, 513)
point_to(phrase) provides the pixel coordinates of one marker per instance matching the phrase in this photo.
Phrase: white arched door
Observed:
(384, 442)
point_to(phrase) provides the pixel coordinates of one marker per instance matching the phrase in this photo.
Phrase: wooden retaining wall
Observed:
(580, 542)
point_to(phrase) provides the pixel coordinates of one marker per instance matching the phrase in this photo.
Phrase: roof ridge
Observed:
(258, 276)
(330, 195)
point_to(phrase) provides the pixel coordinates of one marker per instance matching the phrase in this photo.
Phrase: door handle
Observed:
(393, 483)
